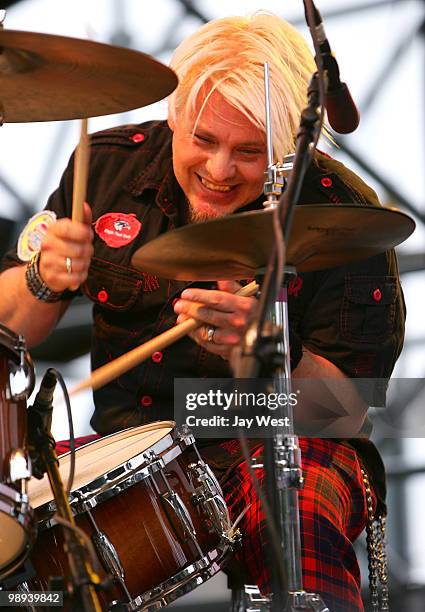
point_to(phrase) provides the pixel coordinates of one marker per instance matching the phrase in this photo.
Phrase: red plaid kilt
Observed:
(332, 512)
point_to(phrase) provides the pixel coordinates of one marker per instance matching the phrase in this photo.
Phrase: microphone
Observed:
(43, 402)
(341, 108)
(40, 421)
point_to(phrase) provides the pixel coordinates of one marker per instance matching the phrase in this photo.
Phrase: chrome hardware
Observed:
(288, 462)
(309, 601)
(249, 599)
(182, 513)
(109, 556)
(19, 466)
(156, 464)
(171, 589)
(209, 496)
(276, 180)
(19, 380)
(176, 502)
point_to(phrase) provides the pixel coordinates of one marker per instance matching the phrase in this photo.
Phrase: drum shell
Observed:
(13, 418)
(145, 531)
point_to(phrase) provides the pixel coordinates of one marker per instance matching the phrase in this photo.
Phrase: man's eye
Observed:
(250, 151)
(203, 138)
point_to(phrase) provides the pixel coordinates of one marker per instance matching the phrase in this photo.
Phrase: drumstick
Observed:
(109, 371)
(81, 169)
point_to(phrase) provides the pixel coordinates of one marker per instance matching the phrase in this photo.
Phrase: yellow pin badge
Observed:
(29, 241)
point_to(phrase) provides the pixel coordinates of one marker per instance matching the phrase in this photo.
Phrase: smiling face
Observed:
(220, 165)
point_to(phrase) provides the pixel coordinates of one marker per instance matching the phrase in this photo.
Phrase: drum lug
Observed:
(108, 553)
(156, 464)
(109, 556)
(208, 495)
(176, 503)
(19, 466)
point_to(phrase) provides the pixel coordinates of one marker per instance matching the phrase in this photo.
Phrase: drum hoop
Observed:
(121, 477)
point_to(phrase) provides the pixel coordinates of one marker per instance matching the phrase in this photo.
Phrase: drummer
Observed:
(206, 161)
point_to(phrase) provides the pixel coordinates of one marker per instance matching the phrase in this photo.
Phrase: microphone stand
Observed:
(282, 459)
(84, 580)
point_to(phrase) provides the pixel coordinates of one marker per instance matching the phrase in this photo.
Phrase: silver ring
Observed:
(210, 333)
(68, 263)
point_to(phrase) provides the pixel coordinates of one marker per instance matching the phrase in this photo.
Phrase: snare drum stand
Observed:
(282, 456)
(84, 580)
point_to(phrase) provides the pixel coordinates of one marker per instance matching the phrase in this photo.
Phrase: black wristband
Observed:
(295, 348)
(36, 284)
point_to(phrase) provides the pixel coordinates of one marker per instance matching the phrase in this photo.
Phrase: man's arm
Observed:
(20, 310)
(332, 405)
(24, 314)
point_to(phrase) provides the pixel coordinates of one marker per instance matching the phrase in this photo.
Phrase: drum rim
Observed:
(103, 487)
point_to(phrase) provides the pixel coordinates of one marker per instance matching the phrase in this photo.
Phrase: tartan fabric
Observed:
(63, 445)
(332, 512)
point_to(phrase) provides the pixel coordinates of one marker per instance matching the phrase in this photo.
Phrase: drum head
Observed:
(101, 456)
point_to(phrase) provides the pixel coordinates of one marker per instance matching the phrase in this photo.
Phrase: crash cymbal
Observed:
(48, 78)
(238, 246)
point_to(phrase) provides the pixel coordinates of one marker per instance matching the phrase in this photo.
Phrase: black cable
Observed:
(62, 383)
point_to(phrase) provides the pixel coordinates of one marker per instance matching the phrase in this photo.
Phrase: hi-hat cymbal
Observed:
(238, 246)
(48, 78)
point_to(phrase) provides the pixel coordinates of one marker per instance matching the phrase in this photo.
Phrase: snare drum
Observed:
(16, 384)
(153, 510)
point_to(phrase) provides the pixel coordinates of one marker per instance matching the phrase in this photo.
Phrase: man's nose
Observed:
(220, 166)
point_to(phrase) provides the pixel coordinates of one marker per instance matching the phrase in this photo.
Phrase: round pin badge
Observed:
(29, 241)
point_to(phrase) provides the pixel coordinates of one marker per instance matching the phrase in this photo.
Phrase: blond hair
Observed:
(227, 55)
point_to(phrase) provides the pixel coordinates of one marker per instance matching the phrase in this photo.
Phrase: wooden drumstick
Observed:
(109, 371)
(81, 170)
(79, 188)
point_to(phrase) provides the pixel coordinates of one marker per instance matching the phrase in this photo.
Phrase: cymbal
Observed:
(238, 246)
(48, 78)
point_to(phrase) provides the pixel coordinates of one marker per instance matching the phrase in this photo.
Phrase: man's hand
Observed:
(67, 239)
(229, 314)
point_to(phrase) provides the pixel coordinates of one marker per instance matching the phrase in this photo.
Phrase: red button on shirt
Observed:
(377, 295)
(146, 400)
(102, 296)
(326, 181)
(138, 137)
(157, 356)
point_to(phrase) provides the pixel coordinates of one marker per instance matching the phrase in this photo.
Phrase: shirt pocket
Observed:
(368, 308)
(111, 286)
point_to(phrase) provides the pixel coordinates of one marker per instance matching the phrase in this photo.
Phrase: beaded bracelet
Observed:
(36, 284)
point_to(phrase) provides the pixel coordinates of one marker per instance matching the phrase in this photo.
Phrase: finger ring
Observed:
(68, 263)
(210, 333)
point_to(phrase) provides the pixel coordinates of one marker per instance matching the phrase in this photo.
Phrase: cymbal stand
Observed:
(260, 357)
(84, 580)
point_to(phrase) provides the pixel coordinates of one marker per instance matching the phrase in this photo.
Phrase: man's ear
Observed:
(171, 123)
